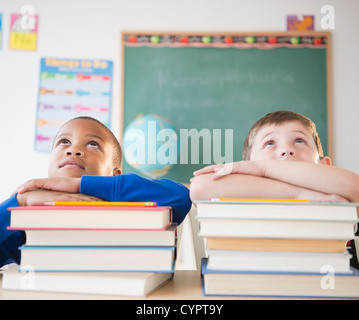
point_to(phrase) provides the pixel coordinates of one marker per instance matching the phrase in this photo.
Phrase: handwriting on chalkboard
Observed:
(166, 78)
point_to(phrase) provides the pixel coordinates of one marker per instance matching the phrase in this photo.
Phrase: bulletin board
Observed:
(226, 81)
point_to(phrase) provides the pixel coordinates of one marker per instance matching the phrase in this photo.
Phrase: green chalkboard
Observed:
(210, 83)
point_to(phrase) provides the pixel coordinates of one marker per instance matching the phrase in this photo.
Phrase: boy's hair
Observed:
(277, 118)
(117, 153)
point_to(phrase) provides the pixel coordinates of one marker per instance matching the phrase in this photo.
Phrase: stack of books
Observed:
(278, 248)
(101, 248)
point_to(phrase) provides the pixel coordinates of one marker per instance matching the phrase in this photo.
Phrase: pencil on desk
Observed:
(101, 204)
(257, 200)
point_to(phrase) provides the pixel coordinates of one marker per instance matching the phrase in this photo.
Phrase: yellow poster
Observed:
(23, 31)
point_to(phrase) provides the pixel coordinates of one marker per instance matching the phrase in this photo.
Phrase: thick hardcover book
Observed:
(327, 284)
(138, 284)
(90, 217)
(277, 210)
(87, 259)
(102, 237)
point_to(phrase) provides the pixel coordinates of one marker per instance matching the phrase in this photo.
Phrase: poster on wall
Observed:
(69, 88)
(295, 23)
(23, 31)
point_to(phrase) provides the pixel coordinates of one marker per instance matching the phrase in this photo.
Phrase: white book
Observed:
(277, 229)
(90, 217)
(277, 210)
(125, 284)
(87, 259)
(130, 238)
(277, 261)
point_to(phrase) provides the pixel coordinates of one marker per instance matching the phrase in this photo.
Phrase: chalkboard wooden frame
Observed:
(294, 39)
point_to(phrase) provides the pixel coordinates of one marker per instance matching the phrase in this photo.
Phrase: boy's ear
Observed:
(117, 171)
(325, 161)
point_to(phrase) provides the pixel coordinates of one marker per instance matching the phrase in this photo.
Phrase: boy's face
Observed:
(288, 141)
(82, 147)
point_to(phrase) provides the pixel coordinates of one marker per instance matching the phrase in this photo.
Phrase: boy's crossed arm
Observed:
(290, 179)
(40, 191)
(204, 187)
(41, 197)
(62, 184)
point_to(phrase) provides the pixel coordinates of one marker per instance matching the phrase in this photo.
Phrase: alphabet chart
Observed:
(70, 88)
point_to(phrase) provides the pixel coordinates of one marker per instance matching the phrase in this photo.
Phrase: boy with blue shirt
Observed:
(85, 165)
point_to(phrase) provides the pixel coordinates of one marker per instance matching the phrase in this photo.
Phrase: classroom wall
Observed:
(91, 29)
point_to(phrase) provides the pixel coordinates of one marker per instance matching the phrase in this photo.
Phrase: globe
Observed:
(151, 145)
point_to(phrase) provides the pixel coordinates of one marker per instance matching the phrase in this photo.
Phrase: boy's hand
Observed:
(253, 168)
(70, 185)
(312, 195)
(41, 197)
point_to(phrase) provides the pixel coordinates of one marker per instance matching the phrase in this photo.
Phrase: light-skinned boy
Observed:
(282, 158)
(305, 172)
(85, 165)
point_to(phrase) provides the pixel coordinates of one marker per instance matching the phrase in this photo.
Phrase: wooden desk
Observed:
(186, 285)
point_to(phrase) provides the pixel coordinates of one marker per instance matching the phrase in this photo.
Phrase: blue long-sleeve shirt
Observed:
(10, 241)
(127, 188)
(131, 187)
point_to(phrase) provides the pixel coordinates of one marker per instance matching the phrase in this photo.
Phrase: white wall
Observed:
(91, 29)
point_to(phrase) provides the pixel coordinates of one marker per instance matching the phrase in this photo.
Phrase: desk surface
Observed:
(186, 285)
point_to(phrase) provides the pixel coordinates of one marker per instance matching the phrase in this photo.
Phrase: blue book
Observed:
(97, 259)
(280, 284)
